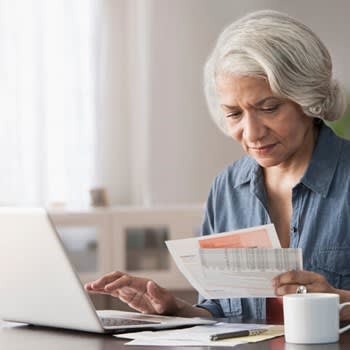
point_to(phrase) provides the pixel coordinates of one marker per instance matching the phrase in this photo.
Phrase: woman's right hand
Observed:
(141, 294)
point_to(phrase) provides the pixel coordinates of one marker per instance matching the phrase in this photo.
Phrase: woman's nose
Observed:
(254, 129)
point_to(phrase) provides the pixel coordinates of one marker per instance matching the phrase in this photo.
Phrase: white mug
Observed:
(312, 318)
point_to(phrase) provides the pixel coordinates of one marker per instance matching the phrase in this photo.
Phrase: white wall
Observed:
(180, 150)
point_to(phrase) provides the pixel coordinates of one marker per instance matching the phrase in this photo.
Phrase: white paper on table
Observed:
(179, 342)
(194, 336)
(240, 263)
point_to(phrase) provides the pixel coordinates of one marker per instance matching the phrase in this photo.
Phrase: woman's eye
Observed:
(233, 115)
(270, 109)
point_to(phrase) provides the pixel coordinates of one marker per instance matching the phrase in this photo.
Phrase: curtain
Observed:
(48, 69)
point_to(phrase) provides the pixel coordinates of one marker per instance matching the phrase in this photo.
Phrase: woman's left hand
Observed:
(288, 282)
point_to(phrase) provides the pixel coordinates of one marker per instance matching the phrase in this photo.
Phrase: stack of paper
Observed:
(200, 335)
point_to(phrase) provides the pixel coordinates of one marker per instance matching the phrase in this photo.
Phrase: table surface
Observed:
(39, 338)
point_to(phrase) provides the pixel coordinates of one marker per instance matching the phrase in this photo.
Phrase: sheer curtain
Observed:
(48, 66)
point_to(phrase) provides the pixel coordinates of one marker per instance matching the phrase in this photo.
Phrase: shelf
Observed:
(129, 239)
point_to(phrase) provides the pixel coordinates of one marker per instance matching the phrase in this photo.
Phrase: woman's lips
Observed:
(263, 150)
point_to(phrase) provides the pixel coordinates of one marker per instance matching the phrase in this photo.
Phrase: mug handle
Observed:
(344, 329)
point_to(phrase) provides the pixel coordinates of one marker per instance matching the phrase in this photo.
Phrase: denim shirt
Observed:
(320, 222)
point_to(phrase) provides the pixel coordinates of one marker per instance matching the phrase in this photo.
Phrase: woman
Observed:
(269, 86)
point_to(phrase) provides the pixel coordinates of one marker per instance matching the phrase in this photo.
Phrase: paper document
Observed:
(234, 264)
(200, 335)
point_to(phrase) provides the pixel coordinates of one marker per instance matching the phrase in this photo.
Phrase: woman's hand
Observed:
(141, 294)
(288, 282)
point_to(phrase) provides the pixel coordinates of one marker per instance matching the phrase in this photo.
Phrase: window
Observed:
(47, 91)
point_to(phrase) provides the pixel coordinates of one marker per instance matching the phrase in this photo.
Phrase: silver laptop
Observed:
(38, 284)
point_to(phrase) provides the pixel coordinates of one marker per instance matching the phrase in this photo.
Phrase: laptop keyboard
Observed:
(114, 322)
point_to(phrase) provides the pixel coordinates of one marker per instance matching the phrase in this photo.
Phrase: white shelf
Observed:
(112, 224)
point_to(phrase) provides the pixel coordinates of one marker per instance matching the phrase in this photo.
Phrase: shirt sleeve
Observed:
(212, 305)
(208, 225)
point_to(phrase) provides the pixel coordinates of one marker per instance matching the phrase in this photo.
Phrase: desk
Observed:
(37, 338)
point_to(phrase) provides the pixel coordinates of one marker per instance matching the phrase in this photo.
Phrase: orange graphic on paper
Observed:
(256, 239)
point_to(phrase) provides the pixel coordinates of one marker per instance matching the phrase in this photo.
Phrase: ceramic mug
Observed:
(312, 318)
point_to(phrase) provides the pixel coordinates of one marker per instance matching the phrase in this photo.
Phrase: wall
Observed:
(176, 148)
(186, 150)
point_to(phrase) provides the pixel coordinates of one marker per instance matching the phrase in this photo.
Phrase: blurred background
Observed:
(108, 94)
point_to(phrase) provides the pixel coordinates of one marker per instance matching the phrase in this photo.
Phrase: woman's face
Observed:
(272, 130)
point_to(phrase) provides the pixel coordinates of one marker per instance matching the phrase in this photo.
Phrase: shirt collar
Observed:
(250, 171)
(320, 172)
(321, 169)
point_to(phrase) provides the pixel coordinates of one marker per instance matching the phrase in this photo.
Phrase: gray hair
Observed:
(285, 52)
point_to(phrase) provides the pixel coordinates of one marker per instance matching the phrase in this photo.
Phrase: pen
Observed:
(236, 334)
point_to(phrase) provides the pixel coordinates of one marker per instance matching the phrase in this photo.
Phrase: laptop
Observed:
(39, 285)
